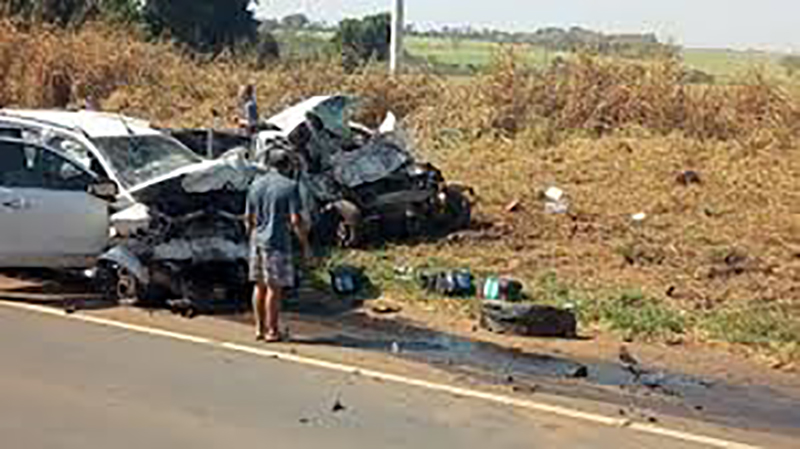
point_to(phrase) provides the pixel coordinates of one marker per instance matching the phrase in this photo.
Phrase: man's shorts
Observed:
(271, 267)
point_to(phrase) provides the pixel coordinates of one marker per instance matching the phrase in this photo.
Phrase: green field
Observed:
(469, 52)
(726, 65)
(466, 56)
(733, 64)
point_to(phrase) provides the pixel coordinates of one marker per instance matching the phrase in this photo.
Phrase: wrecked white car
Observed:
(364, 184)
(359, 184)
(171, 209)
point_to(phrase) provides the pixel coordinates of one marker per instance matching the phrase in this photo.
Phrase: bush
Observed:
(362, 40)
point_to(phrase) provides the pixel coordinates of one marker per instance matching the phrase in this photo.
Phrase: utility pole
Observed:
(396, 50)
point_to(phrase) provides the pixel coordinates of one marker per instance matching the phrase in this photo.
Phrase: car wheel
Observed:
(119, 285)
(457, 214)
(106, 281)
(347, 234)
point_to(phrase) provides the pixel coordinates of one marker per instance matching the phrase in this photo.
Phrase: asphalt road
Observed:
(67, 384)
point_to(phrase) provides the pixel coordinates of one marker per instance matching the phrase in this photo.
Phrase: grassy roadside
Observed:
(628, 313)
(714, 260)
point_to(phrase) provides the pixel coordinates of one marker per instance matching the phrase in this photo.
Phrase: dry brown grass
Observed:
(613, 135)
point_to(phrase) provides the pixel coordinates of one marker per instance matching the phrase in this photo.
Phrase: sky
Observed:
(739, 24)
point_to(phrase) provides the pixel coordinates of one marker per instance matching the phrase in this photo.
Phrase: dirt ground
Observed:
(719, 361)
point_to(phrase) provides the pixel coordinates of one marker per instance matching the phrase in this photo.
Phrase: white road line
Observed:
(387, 377)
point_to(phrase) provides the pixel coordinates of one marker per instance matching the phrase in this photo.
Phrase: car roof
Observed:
(92, 123)
(292, 117)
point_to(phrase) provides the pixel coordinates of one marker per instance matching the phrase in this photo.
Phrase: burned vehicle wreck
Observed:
(363, 185)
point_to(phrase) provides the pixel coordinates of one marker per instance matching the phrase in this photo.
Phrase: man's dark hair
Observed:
(280, 160)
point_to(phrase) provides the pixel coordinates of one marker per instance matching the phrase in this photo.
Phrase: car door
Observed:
(47, 218)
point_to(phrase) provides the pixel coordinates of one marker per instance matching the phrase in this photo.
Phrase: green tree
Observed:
(68, 12)
(205, 25)
(791, 63)
(125, 10)
(362, 40)
(267, 48)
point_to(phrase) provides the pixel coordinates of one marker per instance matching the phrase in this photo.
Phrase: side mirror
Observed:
(104, 189)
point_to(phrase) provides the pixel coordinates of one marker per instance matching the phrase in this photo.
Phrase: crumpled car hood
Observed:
(216, 185)
(330, 107)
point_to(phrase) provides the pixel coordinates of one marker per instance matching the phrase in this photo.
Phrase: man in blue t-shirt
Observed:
(273, 214)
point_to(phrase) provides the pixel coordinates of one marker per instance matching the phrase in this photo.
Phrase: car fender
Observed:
(349, 212)
(121, 256)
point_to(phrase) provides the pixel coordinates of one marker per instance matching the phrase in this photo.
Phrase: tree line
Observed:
(207, 26)
(202, 25)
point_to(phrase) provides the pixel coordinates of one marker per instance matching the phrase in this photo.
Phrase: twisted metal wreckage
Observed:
(185, 237)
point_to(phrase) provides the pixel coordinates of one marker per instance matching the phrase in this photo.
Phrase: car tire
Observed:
(347, 234)
(348, 229)
(457, 214)
(117, 284)
(106, 281)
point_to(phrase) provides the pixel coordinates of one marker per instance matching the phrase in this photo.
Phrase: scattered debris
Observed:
(404, 273)
(449, 283)
(626, 358)
(674, 340)
(578, 372)
(70, 307)
(513, 206)
(734, 262)
(348, 280)
(689, 177)
(630, 363)
(386, 309)
(643, 254)
(501, 288)
(527, 389)
(779, 365)
(554, 194)
(527, 320)
(555, 201)
(491, 233)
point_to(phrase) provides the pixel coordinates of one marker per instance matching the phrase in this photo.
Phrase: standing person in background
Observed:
(273, 213)
(249, 111)
(90, 103)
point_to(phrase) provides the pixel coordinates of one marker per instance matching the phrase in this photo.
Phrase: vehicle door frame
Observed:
(94, 178)
(124, 197)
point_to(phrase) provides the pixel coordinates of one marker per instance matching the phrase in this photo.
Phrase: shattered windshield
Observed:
(138, 159)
